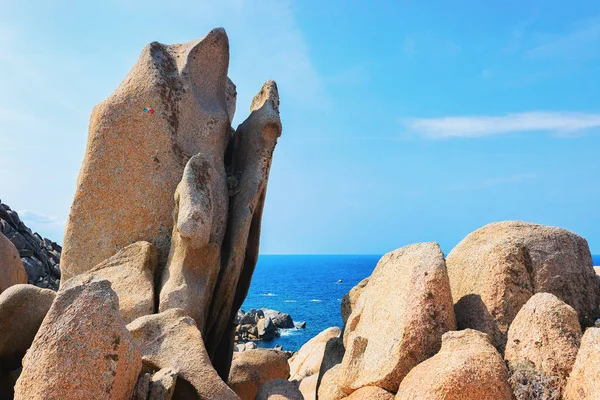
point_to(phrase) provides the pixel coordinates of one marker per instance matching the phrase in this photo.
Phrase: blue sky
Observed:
(404, 121)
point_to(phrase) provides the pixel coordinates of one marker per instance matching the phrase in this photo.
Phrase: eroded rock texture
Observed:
(399, 320)
(135, 159)
(164, 166)
(497, 268)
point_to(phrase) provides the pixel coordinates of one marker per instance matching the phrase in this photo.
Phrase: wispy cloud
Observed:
(29, 216)
(581, 42)
(492, 182)
(564, 123)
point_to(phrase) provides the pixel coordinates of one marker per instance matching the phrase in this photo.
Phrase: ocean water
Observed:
(307, 288)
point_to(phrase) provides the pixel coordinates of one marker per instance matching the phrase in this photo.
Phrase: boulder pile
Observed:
(261, 324)
(40, 256)
(501, 318)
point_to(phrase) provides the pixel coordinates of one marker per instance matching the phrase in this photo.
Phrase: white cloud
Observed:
(491, 182)
(564, 123)
(29, 216)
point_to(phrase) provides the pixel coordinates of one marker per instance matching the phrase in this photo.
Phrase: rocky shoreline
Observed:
(162, 242)
(261, 325)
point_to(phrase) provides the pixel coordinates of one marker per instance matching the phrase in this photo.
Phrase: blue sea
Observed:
(307, 288)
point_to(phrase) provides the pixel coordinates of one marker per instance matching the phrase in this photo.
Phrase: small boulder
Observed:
(490, 283)
(468, 367)
(82, 349)
(281, 320)
(266, 329)
(370, 393)
(545, 334)
(131, 274)
(22, 310)
(307, 361)
(251, 317)
(252, 368)
(279, 389)
(162, 384)
(308, 387)
(172, 340)
(328, 388)
(12, 271)
(583, 381)
(403, 312)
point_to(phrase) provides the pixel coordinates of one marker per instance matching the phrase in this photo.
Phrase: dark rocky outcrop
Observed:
(40, 256)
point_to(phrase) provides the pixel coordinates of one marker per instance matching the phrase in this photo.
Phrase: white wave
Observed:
(316, 300)
(289, 332)
(290, 301)
(269, 294)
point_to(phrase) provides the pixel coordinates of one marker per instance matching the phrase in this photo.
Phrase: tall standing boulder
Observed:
(172, 340)
(495, 268)
(12, 271)
(131, 274)
(251, 155)
(22, 310)
(585, 376)
(200, 214)
(546, 335)
(467, 367)
(407, 308)
(82, 349)
(171, 106)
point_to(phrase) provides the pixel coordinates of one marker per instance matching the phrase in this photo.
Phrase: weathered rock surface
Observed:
(467, 367)
(349, 300)
(12, 271)
(307, 361)
(266, 328)
(490, 283)
(280, 320)
(131, 274)
(251, 369)
(561, 264)
(279, 389)
(135, 159)
(40, 256)
(162, 384)
(200, 219)
(370, 393)
(332, 357)
(172, 340)
(407, 308)
(252, 149)
(585, 375)
(328, 386)
(157, 386)
(545, 334)
(82, 349)
(308, 387)
(22, 310)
